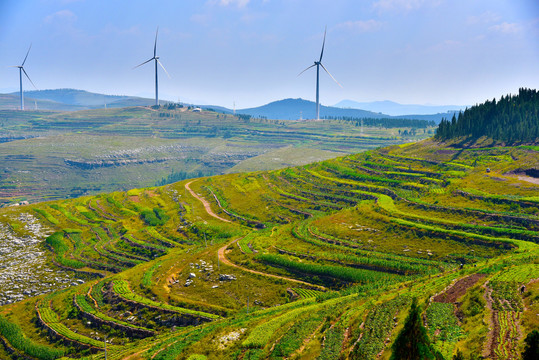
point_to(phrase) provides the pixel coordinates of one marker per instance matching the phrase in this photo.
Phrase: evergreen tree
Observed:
(531, 351)
(413, 343)
(458, 356)
(512, 119)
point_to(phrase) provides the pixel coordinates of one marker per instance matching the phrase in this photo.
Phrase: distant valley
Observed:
(55, 155)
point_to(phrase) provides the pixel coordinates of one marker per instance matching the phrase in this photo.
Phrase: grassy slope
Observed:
(142, 146)
(373, 229)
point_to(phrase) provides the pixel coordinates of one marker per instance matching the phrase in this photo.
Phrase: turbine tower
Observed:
(318, 64)
(156, 58)
(21, 70)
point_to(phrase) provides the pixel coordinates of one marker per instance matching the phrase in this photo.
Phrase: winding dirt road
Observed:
(222, 251)
(206, 204)
(221, 254)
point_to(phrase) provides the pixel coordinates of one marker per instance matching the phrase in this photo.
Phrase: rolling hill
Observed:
(286, 109)
(320, 261)
(72, 99)
(293, 109)
(105, 150)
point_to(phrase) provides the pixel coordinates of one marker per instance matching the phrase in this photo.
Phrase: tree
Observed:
(531, 351)
(458, 356)
(413, 343)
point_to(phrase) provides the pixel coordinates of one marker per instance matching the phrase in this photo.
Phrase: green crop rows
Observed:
(369, 232)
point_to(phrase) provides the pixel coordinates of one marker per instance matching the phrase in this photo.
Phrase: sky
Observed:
(249, 52)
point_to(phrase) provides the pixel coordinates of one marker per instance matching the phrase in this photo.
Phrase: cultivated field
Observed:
(318, 261)
(51, 155)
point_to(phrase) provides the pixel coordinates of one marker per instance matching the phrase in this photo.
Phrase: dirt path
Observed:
(205, 203)
(528, 179)
(458, 289)
(509, 330)
(523, 177)
(135, 355)
(307, 340)
(222, 252)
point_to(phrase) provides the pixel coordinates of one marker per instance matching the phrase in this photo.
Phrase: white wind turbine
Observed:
(156, 58)
(318, 64)
(21, 70)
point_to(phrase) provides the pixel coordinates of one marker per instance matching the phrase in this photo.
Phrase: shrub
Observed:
(412, 343)
(154, 217)
(16, 338)
(532, 346)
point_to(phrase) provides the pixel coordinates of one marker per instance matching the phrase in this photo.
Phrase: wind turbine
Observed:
(318, 64)
(156, 58)
(21, 70)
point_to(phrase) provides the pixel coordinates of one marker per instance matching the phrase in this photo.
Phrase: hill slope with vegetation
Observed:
(513, 119)
(48, 156)
(318, 261)
(345, 258)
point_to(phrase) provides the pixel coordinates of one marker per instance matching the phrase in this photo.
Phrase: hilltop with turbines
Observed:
(142, 229)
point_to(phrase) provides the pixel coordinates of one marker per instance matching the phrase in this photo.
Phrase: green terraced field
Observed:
(58, 155)
(319, 261)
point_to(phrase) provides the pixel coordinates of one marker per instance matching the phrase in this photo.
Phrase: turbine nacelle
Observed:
(318, 64)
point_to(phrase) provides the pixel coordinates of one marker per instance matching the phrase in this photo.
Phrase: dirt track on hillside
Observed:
(206, 204)
(221, 253)
(458, 289)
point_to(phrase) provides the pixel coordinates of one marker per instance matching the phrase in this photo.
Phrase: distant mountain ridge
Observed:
(395, 109)
(286, 109)
(70, 100)
(293, 109)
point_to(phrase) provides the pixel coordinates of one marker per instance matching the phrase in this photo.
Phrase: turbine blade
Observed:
(306, 69)
(323, 44)
(147, 61)
(155, 43)
(28, 52)
(24, 71)
(166, 72)
(323, 67)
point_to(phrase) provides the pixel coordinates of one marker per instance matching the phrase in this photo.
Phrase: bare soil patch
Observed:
(528, 175)
(458, 289)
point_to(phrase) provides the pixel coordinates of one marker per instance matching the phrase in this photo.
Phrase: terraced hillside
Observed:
(316, 262)
(51, 155)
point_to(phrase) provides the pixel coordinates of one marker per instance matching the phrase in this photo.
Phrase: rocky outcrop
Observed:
(93, 164)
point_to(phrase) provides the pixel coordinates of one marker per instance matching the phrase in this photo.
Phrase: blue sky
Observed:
(250, 51)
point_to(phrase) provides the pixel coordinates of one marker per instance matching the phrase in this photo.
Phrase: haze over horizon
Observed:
(249, 52)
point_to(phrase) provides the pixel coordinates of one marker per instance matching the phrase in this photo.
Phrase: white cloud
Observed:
(360, 26)
(403, 5)
(65, 16)
(506, 28)
(484, 18)
(237, 3)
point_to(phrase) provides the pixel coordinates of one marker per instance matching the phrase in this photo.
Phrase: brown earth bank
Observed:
(528, 175)
(458, 289)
